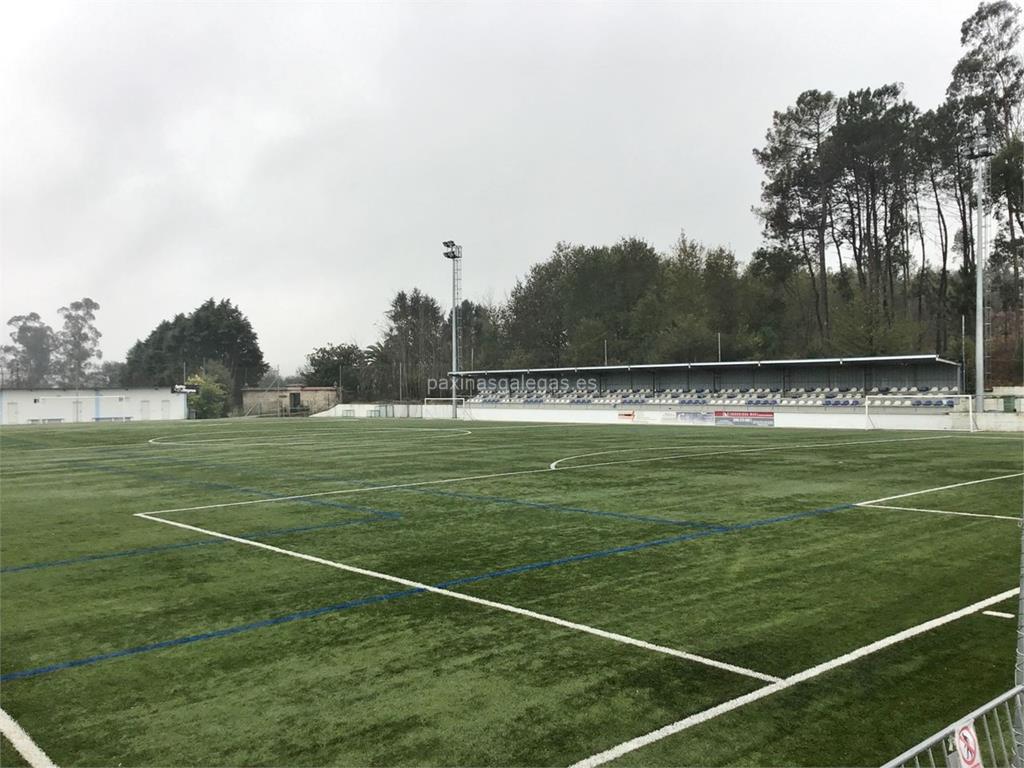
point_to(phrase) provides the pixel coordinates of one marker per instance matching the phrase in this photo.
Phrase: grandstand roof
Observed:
(734, 363)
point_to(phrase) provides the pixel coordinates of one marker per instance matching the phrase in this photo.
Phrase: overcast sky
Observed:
(306, 161)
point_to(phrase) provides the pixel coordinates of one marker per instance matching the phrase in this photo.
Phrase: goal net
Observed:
(905, 411)
(442, 407)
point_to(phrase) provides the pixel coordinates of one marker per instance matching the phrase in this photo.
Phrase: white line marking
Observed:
(942, 488)
(939, 512)
(999, 614)
(477, 600)
(554, 464)
(23, 742)
(732, 704)
(515, 473)
(299, 438)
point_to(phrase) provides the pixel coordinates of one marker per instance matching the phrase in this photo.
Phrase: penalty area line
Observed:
(519, 472)
(740, 701)
(22, 742)
(938, 512)
(940, 488)
(626, 640)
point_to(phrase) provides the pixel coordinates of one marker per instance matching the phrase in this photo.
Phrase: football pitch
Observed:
(404, 592)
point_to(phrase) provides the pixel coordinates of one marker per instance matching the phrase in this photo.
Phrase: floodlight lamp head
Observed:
(448, 243)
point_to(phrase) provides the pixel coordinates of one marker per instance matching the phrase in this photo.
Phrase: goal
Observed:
(442, 407)
(955, 412)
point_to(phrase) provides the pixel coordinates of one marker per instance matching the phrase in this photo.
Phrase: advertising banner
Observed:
(745, 418)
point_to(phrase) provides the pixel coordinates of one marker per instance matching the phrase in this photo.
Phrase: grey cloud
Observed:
(307, 160)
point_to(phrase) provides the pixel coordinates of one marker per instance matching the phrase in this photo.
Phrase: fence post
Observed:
(1018, 671)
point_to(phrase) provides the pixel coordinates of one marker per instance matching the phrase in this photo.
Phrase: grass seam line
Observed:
(477, 601)
(22, 742)
(819, 669)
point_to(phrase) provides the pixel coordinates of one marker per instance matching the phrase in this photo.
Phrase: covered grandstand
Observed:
(762, 392)
(832, 382)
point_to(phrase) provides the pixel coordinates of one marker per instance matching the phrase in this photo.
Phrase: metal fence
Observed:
(985, 737)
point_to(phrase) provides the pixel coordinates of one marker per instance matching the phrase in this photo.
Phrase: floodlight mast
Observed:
(454, 253)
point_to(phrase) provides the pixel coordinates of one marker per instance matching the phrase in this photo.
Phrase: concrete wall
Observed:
(278, 400)
(380, 410)
(62, 406)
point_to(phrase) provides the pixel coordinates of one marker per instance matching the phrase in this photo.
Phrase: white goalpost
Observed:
(883, 411)
(441, 407)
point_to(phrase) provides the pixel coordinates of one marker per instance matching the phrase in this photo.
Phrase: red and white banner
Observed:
(745, 418)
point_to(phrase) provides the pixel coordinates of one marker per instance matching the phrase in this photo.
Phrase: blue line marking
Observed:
(563, 508)
(139, 551)
(374, 512)
(207, 635)
(409, 592)
(367, 484)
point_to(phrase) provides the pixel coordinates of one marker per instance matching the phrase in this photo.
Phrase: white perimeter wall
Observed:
(819, 419)
(27, 406)
(816, 420)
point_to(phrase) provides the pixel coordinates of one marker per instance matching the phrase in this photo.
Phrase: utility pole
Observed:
(453, 252)
(980, 156)
(606, 353)
(963, 354)
(719, 346)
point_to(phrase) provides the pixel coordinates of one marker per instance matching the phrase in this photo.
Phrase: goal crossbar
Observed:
(941, 403)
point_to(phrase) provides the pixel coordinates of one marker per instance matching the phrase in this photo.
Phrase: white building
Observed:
(69, 406)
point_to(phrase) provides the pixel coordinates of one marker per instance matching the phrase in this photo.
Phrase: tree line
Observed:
(214, 346)
(40, 356)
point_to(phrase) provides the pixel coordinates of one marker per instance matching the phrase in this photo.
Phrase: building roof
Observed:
(905, 359)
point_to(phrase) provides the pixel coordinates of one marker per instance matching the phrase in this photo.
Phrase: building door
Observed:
(76, 410)
(295, 401)
(12, 413)
(144, 410)
(165, 409)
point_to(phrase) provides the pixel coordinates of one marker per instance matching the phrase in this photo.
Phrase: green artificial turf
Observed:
(130, 642)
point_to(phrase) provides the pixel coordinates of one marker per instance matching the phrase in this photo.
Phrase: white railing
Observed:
(985, 737)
